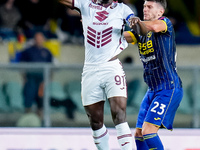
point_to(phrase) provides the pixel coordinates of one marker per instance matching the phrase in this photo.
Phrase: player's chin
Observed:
(146, 18)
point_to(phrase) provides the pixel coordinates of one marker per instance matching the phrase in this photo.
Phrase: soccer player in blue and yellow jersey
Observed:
(156, 43)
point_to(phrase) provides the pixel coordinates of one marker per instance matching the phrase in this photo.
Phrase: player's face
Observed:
(151, 10)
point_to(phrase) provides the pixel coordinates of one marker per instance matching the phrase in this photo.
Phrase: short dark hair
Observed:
(163, 3)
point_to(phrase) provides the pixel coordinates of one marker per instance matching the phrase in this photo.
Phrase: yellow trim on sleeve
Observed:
(133, 37)
(165, 25)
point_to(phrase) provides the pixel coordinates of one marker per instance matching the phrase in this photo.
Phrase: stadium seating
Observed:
(13, 90)
(73, 88)
(3, 103)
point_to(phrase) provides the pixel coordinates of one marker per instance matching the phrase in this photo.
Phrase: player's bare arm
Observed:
(142, 28)
(128, 37)
(155, 25)
(67, 3)
(145, 26)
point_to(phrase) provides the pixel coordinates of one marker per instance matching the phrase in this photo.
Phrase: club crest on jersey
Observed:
(99, 39)
(149, 34)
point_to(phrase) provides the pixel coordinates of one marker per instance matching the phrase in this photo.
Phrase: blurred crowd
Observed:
(20, 19)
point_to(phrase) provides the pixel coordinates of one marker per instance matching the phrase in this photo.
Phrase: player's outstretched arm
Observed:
(142, 27)
(67, 3)
(155, 25)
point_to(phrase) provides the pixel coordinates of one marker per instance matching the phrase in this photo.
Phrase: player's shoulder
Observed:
(123, 8)
(82, 2)
(122, 5)
(165, 19)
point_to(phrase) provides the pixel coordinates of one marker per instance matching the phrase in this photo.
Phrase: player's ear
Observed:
(161, 12)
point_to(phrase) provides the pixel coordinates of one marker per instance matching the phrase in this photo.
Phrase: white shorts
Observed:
(101, 81)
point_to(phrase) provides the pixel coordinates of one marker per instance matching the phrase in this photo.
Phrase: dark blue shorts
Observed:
(159, 108)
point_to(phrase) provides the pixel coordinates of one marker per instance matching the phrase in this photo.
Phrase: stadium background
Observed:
(67, 74)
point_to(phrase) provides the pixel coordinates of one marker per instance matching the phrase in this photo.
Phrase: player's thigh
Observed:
(90, 87)
(163, 108)
(115, 80)
(144, 107)
(173, 106)
(175, 100)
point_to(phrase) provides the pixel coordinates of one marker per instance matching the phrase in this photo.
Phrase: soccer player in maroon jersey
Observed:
(103, 76)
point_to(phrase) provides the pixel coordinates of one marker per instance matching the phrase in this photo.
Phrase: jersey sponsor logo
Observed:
(149, 34)
(158, 118)
(102, 15)
(153, 57)
(146, 48)
(99, 39)
(95, 6)
(100, 23)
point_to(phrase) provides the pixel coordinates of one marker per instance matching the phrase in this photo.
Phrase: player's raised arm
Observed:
(67, 3)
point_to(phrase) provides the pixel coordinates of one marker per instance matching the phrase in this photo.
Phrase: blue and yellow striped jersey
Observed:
(158, 55)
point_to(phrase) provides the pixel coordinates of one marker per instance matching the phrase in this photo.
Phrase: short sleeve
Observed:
(128, 13)
(169, 26)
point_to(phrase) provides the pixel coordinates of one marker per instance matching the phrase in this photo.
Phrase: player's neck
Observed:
(103, 3)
